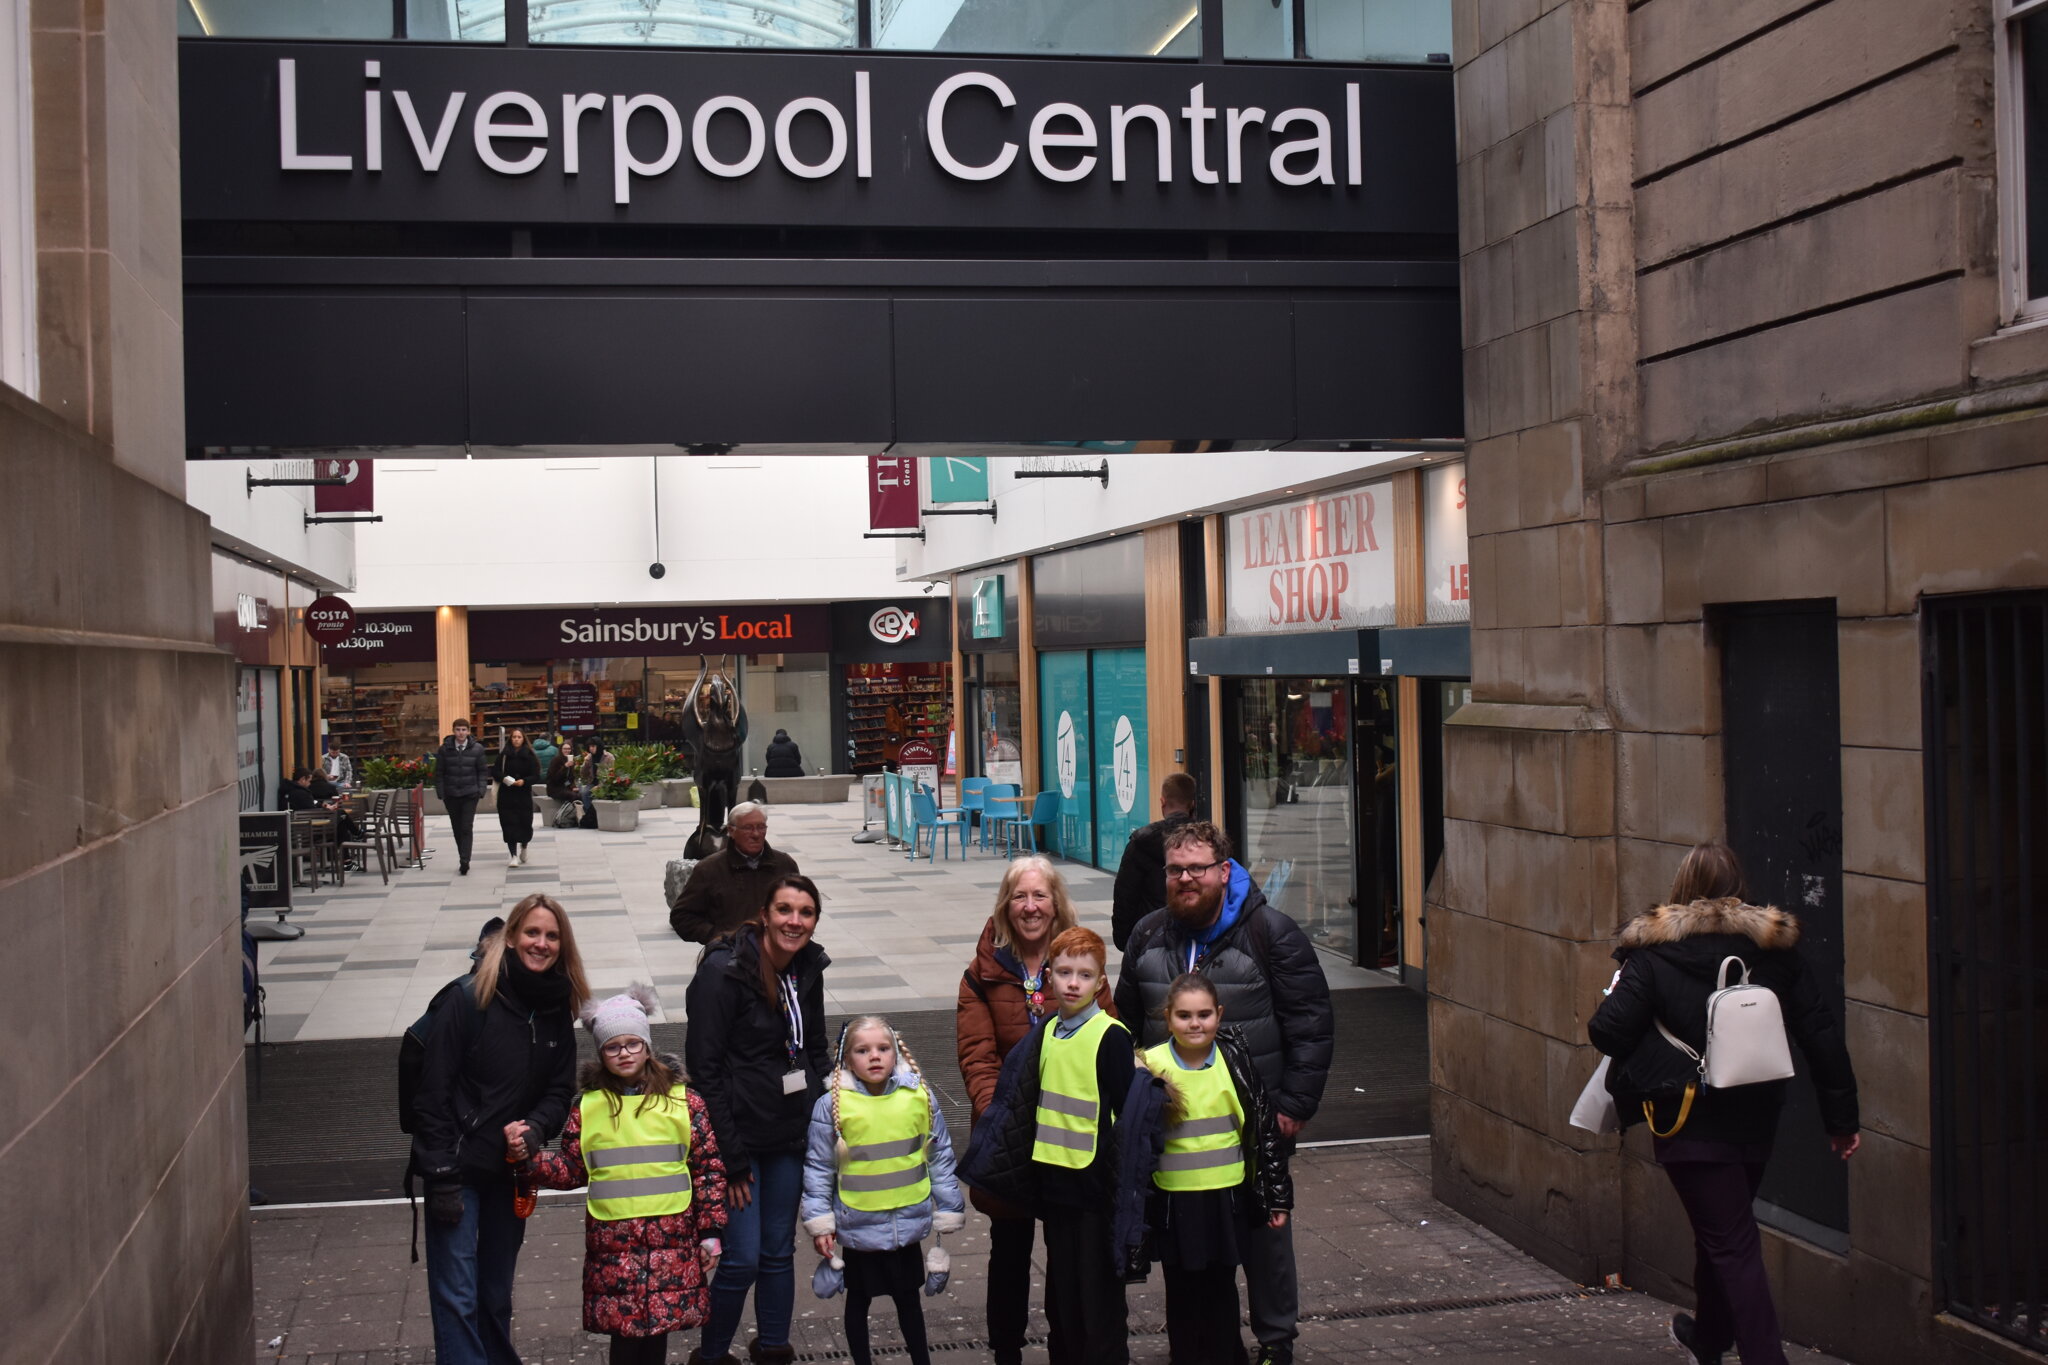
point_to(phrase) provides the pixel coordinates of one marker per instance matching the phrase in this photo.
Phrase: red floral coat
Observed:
(643, 1276)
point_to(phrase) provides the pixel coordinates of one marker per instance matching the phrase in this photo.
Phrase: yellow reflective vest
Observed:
(882, 1162)
(1205, 1150)
(638, 1162)
(1069, 1104)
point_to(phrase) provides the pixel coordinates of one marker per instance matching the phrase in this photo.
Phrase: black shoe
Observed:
(1275, 1355)
(770, 1355)
(1683, 1329)
(462, 871)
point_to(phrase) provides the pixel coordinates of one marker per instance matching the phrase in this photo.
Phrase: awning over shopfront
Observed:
(1384, 652)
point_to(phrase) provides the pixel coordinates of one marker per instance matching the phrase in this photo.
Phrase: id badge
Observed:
(794, 1082)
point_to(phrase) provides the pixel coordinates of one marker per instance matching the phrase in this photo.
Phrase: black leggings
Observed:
(640, 1350)
(897, 1274)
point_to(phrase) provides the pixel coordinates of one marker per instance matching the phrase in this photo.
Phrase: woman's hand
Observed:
(740, 1193)
(1277, 1218)
(824, 1245)
(515, 1140)
(1845, 1147)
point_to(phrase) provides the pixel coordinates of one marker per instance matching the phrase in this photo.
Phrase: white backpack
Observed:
(1745, 1034)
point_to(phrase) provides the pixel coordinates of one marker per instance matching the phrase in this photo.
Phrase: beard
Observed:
(1195, 912)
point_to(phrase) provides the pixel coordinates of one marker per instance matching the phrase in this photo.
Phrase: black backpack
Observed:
(412, 1051)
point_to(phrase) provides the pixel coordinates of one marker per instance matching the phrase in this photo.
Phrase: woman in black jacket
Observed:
(498, 1053)
(518, 768)
(561, 773)
(758, 1054)
(784, 758)
(1715, 1147)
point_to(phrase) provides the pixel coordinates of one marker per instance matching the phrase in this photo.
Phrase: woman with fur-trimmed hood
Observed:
(1715, 1154)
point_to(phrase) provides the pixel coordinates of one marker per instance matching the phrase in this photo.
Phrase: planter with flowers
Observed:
(618, 803)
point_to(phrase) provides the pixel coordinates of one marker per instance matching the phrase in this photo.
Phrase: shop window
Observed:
(437, 21)
(1414, 31)
(17, 204)
(696, 23)
(888, 704)
(383, 711)
(1128, 28)
(2023, 148)
(998, 705)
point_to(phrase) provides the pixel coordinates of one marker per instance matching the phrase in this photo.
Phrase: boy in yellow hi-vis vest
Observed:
(1224, 1169)
(878, 1179)
(641, 1140)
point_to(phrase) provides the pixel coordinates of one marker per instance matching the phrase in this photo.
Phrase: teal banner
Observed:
(1066, 762)
(1123, 779)
(957, 478)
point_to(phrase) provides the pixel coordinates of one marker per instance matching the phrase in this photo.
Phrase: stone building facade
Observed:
(123, 1155)
(1757, 403)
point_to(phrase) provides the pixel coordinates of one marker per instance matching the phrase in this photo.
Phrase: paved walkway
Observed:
(1387, 1274)
(899, 931)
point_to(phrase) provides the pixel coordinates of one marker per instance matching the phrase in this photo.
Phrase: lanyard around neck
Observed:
(793, 1015)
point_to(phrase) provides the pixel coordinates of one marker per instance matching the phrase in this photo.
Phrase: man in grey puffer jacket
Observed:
(1272, 987)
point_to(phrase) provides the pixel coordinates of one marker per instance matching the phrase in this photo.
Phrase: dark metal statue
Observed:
(714, 726)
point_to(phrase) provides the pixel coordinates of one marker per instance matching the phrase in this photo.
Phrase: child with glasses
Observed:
(642, 1141)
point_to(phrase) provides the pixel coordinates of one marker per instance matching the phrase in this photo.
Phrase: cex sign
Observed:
(1324, 562)
(893, 625)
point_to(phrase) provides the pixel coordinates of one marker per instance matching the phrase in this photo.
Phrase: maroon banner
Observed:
(386, 637)
(576, 707)
(535, 633)
(357, 495)
(330, 620)
(892, 492)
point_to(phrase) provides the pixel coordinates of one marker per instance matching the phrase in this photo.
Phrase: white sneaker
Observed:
(522, 855)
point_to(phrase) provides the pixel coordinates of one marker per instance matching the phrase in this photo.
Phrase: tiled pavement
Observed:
(1387, 1274)
(899, 931)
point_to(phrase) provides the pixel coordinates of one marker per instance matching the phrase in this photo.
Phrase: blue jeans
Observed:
(760, 1254)
(469, 1279)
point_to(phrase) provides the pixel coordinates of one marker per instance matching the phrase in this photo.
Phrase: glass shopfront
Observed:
(995, 701)
(1093, 732)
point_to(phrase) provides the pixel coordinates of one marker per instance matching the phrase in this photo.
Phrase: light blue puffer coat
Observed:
(860, 1230)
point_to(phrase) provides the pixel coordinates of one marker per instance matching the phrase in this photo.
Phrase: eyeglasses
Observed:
(623, 1047)
(1190, 871)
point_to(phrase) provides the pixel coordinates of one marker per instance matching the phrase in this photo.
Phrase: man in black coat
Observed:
(728, 888)
(1272, 988)
(462, 773)
(1141, 876)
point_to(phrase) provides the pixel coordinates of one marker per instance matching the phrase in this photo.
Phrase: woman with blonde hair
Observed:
(1004, 994)
(499, 1053)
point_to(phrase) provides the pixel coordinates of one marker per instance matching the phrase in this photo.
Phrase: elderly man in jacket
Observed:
(1272, 988)
(729, 888)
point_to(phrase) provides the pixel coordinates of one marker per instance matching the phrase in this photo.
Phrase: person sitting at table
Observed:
(298, 793)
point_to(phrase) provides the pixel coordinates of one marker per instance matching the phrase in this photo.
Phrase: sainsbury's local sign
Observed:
(294, 131)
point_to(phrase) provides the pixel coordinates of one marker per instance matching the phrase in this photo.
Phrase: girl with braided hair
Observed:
(878, 1178)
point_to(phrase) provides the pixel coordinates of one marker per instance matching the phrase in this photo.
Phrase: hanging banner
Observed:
(958, 478)
(357, 495)
(892, 493)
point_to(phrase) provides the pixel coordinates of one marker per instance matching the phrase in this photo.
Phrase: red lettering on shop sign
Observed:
(1461, 582)
(1310, 596)
(729, 629)
(1328, 528)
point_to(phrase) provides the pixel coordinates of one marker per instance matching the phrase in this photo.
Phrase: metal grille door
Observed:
(1985, 695)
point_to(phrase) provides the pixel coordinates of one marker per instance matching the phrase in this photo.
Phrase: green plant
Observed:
(618, 786)
(379, 773)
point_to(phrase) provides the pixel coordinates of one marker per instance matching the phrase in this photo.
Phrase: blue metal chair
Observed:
(974, 801)
(997, 815)
(1045, 809)
(924, 815)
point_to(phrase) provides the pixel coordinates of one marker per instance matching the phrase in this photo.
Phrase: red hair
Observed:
(1079, 942)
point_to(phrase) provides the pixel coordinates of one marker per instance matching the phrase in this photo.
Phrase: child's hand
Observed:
(1277, 1218)
(708, 1251)
(823, 1244)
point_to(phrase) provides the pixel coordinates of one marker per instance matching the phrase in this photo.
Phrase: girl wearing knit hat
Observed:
(642, 1141)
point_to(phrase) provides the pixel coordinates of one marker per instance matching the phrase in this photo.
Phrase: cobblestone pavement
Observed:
(1387, 1274)
(899, 930)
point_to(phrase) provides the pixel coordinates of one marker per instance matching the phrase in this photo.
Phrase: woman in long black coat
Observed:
(518, 769)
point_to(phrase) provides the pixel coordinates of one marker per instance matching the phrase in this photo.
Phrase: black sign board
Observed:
(576, 707)
(279, 132)
(267, 859)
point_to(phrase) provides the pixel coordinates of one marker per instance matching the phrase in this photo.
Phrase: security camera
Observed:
(928, 588)
(656, 569)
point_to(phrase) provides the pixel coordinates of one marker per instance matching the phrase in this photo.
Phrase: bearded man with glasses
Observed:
(1272, 989)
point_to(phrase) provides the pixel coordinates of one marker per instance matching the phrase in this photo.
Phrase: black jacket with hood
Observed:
(1670, 964)
(1141, 877)
(738, 1051)
(516, 1062)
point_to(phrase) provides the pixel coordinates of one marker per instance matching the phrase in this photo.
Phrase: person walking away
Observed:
(785, 759)
(1715, 1144)
(758, 1054)
(1004, 994)
(726, 889)
(1271, 986)
(499, 1052)
(462, 772)
(642, 1140)
(517, 770)
(1141, 876)
(1225, 1167)
(339, 767)
(878, 1179)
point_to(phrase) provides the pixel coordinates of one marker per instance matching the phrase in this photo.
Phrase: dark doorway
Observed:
(1985, 701)
(1781, 761)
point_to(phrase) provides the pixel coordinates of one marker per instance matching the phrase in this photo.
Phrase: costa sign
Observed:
(893, 625)
(424, 132)
(1324, 562)
(330, 620)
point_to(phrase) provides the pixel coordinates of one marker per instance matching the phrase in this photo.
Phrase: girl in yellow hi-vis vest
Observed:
(878, 1179)
(641, 1140)
(1224, 1166)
